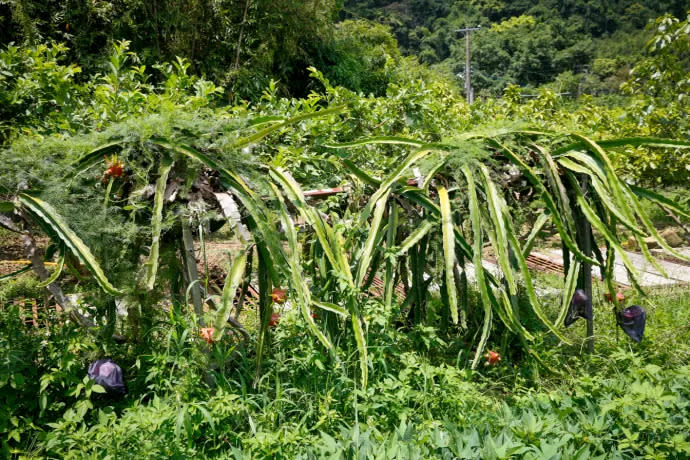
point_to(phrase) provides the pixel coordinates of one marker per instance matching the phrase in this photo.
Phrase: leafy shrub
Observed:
(364, 57)
(42, 373)
(280, 392)
(418, 408)
(39, 91)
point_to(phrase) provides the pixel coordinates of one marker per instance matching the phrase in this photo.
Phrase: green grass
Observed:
(623, 401)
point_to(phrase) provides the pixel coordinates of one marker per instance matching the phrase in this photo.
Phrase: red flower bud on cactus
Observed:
(279, 295)
(115, 167)
(608, 296)
(206, 333)
(492, 358)
(275, 319)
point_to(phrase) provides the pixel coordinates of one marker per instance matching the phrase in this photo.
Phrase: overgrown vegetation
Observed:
(623, 401)
(363, 324)
(583, 46)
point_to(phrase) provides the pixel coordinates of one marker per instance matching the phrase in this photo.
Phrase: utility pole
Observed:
(584, 70)
(468, 81)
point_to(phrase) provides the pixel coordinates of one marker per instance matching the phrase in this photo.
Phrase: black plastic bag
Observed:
(580, 307)
(632, 320)
(108, 375)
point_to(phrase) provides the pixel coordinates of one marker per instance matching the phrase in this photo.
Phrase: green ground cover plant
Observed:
(624, 401)
(363, 325)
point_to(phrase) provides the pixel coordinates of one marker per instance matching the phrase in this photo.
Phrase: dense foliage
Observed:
(242, 44)
(233, 41)
(360, 325)
(619, 403)
(524, 42)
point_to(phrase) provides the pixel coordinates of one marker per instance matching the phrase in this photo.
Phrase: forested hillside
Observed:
(583, 46)
(239, 43)
(524, 42)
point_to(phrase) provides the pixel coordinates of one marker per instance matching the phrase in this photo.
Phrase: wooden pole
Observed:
(190, 266)
(239, 40)
(585, 231)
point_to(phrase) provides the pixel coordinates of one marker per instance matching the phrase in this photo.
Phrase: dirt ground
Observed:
(11, 249)
(218, 257)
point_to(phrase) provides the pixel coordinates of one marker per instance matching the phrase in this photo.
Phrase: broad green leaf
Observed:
(369, 244)
(548, 201)
(391, 236)
(298, 283)
(569, 287)
(232, 282)
(52, 219)
(6, 206)
(58, 270)
(449, 252)
(475, 217)
(659, 199)
(420, 232)
(96, 388)
(377, 140)
(499, 219)
(538, 226)
(151, 264)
